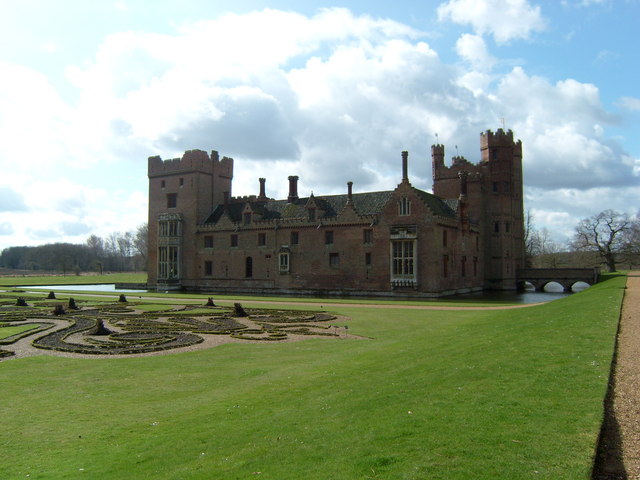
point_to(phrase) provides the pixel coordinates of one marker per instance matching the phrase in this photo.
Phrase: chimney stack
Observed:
(349, 192)
(463, 184)
(262, 195)
(293, 189)
(405, 166)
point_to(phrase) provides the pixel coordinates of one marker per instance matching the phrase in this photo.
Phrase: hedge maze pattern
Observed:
(137, 328)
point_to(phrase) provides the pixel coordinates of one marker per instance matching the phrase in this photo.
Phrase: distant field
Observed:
(488, 394)
(73, 279)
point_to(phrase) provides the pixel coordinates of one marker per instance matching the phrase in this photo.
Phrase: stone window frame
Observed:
(284, 262)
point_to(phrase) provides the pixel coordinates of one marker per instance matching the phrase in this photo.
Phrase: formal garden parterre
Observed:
(134, 328)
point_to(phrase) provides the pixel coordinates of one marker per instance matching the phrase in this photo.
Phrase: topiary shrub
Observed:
(210, 303)
(51, 296)
(122, 298)
(238, 311)
(72, 304)
(21, 302)
(100, 329)
(59, 309)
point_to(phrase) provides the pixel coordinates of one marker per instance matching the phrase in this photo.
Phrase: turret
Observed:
(437, 160)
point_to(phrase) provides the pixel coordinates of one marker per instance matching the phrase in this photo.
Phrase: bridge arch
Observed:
(566, 277)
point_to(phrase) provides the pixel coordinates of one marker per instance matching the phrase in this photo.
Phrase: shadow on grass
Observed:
(608, 462)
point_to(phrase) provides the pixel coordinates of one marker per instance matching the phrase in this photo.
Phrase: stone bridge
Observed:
(567, 277)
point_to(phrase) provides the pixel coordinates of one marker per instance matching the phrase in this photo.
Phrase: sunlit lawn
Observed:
(495, 394)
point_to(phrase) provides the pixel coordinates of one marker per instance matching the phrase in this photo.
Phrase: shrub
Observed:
(238, 311)
(72, 304)
(59, 309)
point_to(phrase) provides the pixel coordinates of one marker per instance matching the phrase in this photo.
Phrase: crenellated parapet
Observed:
(191, 161)
(499, 139)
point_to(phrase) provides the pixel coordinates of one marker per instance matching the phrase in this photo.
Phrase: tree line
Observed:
(609, 239)
(117, 252)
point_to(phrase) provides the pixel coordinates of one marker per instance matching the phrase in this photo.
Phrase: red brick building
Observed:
(466, 236)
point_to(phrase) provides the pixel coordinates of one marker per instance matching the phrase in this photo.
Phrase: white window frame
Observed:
(284, 262)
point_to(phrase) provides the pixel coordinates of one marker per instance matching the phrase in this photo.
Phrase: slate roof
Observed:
(365, 204)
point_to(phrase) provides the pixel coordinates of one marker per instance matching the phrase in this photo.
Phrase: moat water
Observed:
(554, 292)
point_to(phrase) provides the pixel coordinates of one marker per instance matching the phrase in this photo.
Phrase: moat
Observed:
(498, 296)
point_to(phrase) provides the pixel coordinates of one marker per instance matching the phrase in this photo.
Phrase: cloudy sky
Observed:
(330, 92)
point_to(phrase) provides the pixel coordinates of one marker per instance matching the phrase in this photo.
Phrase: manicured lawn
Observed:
(74, 279)
(508, 394)
(6, 332)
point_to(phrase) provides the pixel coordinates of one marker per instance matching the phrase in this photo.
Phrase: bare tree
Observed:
(140, 241)
(530, 246)
(125, 249)
(603, 233)
(548, 249)
(631, 243)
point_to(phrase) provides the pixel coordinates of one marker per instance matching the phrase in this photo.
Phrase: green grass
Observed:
(73, 279)
(509, 394)
(6, 332)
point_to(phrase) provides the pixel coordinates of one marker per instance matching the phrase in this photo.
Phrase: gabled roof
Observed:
(439, 206)
(365, 204)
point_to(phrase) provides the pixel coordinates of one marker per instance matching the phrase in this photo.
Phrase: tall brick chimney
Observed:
(405, 166)
(262, 195)
(293, 189)
(463, 184)
(349, 192)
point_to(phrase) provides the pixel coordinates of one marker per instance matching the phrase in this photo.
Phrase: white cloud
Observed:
(506, 20)
(629, 103)
(473, 49)
(332, 98)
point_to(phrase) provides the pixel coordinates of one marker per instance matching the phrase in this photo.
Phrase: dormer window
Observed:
(247, 218)
(312, 214)
(405, 206)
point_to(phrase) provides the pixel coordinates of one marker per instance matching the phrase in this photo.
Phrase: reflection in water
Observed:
(553, 291)
(103, 287)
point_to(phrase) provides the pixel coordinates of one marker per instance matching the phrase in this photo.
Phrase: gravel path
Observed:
(619, 450)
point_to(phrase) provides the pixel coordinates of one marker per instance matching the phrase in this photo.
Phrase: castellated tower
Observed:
(494, 201)
(182, 192)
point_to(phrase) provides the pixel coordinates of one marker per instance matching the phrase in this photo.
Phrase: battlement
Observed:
(498, 139)
(191, 161)
(459, 161)
(437, 149)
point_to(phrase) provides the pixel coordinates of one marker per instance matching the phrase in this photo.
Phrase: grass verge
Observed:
(512, 394)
